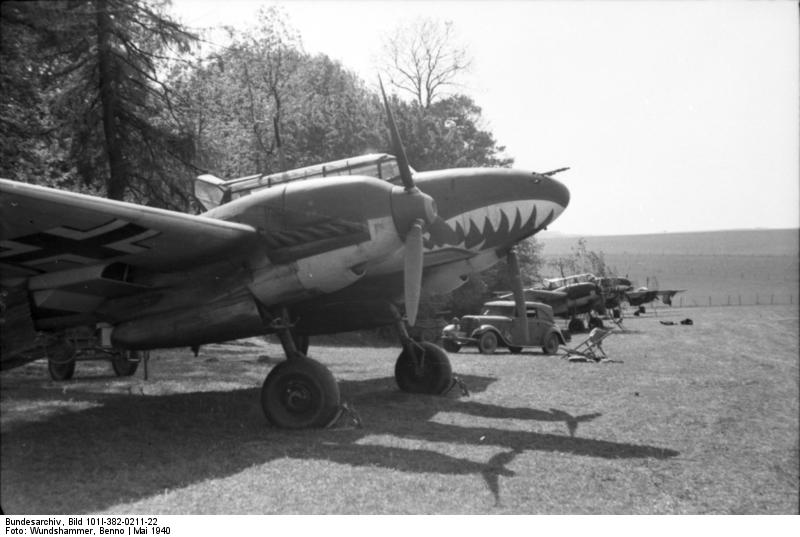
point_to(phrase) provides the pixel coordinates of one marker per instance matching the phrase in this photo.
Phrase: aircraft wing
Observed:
(666, 296)
(637, 298)
(43, 231)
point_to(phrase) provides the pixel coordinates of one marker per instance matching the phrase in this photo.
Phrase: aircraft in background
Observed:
(643, 295)
(295, 254)
(586, 296)
(571, 297)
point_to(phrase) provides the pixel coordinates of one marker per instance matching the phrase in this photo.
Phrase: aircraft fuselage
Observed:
(338, 241)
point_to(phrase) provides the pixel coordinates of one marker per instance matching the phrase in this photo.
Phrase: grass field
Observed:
(688, 419)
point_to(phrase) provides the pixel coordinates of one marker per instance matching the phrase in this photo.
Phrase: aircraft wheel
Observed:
(125, 363)
(595, 322)
(450, 345)
(61, 364)
(435, 376)
(515, 350)
(487, 343)
(551, 344)
(576, 326)
(300, 393)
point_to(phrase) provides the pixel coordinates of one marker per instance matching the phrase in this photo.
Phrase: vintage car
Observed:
(498, 325)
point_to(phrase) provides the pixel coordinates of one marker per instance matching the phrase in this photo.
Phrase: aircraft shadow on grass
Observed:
(131, 448)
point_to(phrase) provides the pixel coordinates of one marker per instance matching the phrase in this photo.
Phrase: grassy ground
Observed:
(693, 419)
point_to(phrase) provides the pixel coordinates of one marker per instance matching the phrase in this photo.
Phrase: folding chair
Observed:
(591, 349)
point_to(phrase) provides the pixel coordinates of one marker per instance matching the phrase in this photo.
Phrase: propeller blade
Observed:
(519, 294)
(397, 144)
(412, 278)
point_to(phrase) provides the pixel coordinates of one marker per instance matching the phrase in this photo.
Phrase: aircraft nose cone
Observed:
(552, 190)
(560, 193)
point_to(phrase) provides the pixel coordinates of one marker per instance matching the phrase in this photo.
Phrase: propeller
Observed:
(397, 145)
(412, 275)
(519, 294)
(412, 209)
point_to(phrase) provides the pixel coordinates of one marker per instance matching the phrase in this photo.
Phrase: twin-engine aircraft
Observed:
(297, 254)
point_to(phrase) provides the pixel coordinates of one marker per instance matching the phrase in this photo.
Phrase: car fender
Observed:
(478, 332)
(555, 330)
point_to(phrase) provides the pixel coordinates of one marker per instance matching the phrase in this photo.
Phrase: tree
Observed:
(581, 260)
(423, 57)
(447, 134)
(233, 100)
(95, 64)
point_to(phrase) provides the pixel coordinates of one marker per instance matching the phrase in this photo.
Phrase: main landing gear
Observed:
(422, 367)
(301, 393)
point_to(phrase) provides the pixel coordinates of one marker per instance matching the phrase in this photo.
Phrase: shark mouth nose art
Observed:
(494, 225)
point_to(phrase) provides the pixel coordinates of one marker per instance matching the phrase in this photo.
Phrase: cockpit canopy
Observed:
(212, 191)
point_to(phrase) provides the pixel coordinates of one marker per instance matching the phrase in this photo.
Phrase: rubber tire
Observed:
(125, 363)
(437, 375)
(487, 343)
(60, 371)
(450, 345)
(300, 393)
(551, 344)
(62, 365)
(515, 350)
(576, 326)
(595, 322)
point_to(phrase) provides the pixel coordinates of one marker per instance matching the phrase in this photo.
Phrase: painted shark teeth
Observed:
(488, 226)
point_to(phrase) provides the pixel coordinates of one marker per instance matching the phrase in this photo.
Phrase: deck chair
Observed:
(591, 349)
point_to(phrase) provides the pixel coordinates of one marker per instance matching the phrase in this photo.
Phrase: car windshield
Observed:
(507, 311)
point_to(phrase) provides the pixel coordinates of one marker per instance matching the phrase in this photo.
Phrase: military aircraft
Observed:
(643, 295)
(571, 297)
(296, 255)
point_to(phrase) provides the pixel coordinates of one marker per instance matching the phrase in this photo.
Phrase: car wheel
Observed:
(551, 343)
(487, 344)
(515, 350)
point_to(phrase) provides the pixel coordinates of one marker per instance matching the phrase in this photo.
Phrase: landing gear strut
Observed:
(299, 393)
(421, 367)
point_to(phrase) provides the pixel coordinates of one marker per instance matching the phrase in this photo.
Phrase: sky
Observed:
(672, 116)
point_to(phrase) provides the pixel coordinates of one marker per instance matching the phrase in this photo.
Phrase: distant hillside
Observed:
(757, 242)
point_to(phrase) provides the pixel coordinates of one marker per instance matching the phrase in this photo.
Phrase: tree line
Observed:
(115, 98)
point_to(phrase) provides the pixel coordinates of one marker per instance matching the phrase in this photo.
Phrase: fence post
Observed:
(757, 299)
